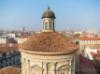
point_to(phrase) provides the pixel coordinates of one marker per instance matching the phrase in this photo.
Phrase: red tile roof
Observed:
(49, 42)
(5, 47)
(90, 38)
(10, 70)
(95, 46)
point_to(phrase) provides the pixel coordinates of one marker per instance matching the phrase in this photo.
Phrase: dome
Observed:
(48, 14)
(49, 42)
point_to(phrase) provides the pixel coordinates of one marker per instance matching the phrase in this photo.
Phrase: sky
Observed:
(70, 14)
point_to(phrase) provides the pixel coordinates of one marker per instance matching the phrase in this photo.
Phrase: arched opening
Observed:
(63, 69)
(36, 69)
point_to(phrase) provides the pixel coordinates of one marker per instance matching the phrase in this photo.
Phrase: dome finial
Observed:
(48, 7)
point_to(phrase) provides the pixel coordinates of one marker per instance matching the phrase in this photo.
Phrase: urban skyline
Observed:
(45, 49)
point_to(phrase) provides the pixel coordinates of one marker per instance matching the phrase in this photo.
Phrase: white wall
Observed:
(40, 64)
(3, 40)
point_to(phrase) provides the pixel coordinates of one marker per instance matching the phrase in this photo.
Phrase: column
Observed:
(45, 67)
(70, 66)
(28, 66)
(24, 66)
(73, 65)
(52, 68)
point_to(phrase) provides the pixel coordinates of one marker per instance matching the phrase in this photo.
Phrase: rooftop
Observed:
(10, 70)
(5, 48)
(90, 38)
(94, 46)
(49, 42)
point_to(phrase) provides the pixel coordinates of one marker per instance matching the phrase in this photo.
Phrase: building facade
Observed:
(48, 52)
(9, 56)
(85, 40)
(47, 64)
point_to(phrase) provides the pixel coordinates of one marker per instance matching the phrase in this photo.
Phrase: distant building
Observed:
(85, 40)
(21, 39)
(11, 35)
(3, 39)
(7, 38)
(91, 50)
(9, 55)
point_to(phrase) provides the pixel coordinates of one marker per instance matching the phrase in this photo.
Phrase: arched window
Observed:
(50, 25)
(46, 25)
(63, 69)
(36, 69)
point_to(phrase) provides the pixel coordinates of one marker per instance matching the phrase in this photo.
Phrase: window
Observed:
(63, 69)
(46, 25)
(36, 69)
(50, 27)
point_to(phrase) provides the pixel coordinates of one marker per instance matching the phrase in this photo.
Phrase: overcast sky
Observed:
(70, 14)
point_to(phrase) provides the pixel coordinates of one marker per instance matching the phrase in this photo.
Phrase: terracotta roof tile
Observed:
(90, 38)
(95, 46)
(49, 42)
(10, 70)
(5, 48)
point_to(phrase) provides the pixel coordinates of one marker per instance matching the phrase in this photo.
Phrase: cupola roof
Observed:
(48, 14)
